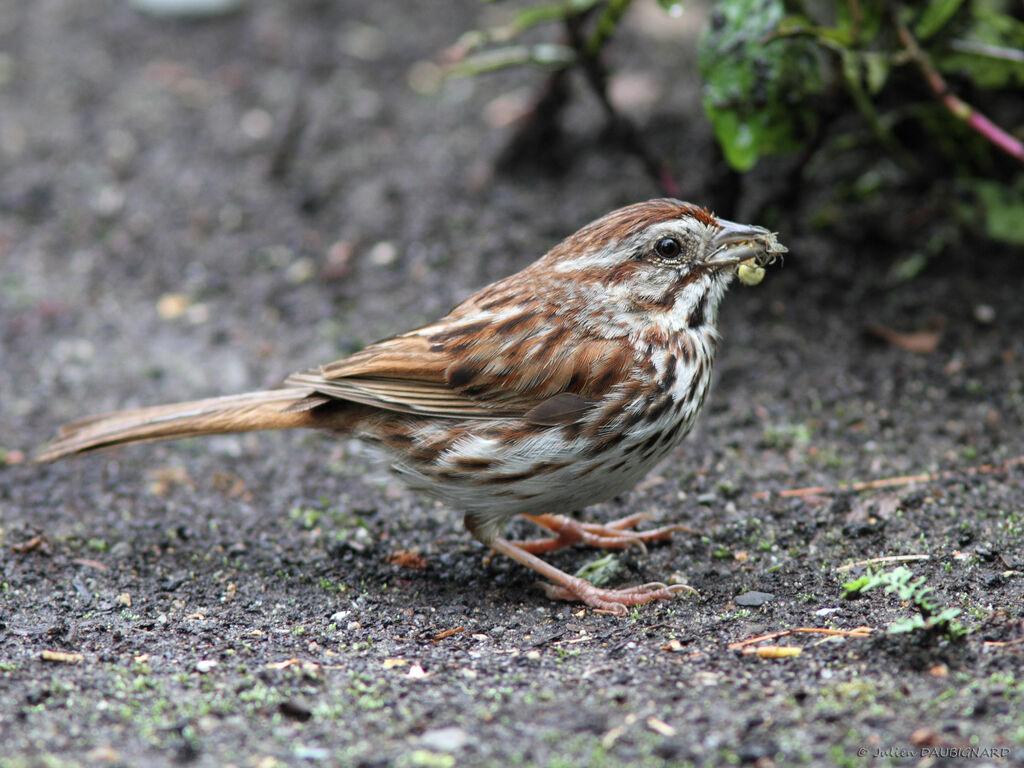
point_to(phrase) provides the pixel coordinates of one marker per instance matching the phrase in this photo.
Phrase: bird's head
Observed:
(662, 261)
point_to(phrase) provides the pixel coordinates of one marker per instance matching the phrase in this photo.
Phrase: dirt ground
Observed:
(198, 208)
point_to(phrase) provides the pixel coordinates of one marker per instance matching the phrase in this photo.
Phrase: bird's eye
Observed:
(668, 248)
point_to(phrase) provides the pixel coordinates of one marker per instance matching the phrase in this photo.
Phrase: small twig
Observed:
(448, 633)
(956, 106)
(62, 657)
(855, 632)
(990, 51)
(287, 145)
(36, 543)
(538, 133)
(1003, 643)
(88, 563)
(607, 23)
(890, 482)
(882, 561)
(856, 20)
(773, 651)
(596, 75)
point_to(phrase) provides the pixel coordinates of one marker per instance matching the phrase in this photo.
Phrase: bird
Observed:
(552, 389)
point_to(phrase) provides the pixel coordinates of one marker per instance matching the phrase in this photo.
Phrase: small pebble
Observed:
(383, 253)
(108, 201)
(186, 8)
(171, 306)
(985, 314)
(257, 124)
(753, 599)
(300, 270)
(449, 739)
(297, 710)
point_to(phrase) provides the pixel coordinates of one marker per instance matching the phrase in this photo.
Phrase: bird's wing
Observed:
(480, 367)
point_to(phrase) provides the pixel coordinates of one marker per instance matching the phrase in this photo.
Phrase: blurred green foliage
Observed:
(756, 50)
(757, 95)
(931, 616)
(936, 85)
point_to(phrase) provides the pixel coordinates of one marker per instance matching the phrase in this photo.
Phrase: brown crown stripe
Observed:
(626, 222)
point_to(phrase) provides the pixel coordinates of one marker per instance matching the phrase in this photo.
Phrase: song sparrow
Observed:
(554, 388)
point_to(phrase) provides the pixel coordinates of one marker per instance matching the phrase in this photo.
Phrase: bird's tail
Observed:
(286, 408)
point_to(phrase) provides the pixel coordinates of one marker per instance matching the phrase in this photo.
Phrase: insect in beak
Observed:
(747, 248)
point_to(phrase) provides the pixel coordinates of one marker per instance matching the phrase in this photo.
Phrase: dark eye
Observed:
(668, 248)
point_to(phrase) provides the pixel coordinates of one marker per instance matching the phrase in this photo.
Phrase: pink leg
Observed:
(613, 535)
(565, 586)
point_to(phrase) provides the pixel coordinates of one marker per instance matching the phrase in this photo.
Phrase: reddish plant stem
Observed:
(957, 106)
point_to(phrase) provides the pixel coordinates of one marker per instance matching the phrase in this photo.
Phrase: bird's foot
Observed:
(617, 534)
(617, 601)
(565, 586)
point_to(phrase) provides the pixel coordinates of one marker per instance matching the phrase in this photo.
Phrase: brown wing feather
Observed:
(397, 395)
(405, 357)
(475, 363)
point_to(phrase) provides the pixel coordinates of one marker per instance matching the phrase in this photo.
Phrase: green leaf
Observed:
(905, 625)
(935, 16)
(876, 70)
(540, 14)
(873, 15)
(756, 87)
(992, 51)
(857, 22)
(1001, 211)
(854, 588)
(549, 55)
(600, 571)
(736, 138)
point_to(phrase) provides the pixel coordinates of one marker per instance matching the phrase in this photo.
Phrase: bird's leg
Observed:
(614, 535)
(564, 586)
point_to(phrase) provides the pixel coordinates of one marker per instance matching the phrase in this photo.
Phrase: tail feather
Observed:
(252, 411)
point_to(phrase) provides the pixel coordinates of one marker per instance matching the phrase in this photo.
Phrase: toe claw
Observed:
(678, 588)
(653, 585)
(563, 586)
(630, 521)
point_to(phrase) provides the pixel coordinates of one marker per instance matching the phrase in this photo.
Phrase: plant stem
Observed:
(596, 76)
(956, 106)
(607, 23)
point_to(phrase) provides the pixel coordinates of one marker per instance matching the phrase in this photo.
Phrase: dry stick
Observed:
(991, 51)
(448, 633)
(883, 561)
(596, 76)
(890, 482)
(957, 107)
(855, 632)
(287, 146)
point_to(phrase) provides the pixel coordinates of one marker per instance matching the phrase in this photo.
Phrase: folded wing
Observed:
(495, 366)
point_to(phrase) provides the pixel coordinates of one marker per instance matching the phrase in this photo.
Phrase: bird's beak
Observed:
(734, 243)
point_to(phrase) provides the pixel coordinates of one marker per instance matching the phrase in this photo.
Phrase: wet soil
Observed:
(198, 208)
